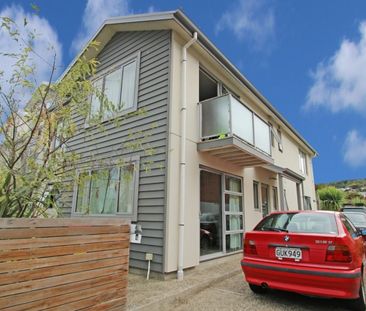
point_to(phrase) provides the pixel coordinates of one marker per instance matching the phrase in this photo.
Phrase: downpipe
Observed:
(182, 164)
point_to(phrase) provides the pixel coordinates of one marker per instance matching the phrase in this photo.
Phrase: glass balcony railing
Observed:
(225, 116)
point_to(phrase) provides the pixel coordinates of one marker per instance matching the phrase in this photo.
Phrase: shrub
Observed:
(330, 198)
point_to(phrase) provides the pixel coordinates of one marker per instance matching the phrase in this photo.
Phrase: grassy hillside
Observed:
(353, 190)
(356, 184)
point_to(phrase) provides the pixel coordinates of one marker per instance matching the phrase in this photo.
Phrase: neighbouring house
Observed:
(216, 156)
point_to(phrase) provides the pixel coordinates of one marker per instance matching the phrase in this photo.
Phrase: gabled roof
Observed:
(171, 20)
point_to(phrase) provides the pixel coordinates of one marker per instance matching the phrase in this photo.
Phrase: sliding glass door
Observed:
(210, 214)
(221, 213)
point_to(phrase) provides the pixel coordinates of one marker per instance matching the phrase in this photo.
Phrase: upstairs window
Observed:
(116, 91)
(302, 162)
(280, 145)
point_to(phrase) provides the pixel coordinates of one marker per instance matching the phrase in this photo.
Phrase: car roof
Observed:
(303, 212)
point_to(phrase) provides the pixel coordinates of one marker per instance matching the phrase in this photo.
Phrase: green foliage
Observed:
(354, 184)
(358, 201)
(34, 160)
(330, 198)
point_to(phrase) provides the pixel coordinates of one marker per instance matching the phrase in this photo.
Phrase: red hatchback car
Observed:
(315, 253)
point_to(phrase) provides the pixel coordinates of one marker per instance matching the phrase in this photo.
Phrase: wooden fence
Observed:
(63, 264)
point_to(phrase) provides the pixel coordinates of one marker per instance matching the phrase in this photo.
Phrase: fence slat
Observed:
(61, 222)
(38, 263)
(9, 255)
(57, 241)
(21, 233)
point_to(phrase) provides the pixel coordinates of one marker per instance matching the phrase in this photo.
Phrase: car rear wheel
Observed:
(359, 304)
(257, 289)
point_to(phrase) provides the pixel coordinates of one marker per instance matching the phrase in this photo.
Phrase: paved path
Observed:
(234, 294)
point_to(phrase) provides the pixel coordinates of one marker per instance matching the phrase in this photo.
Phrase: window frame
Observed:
(256, 196)
(135, 160)
(280, 143)
(307, 201)
(275, 198)
(102, 76)
(303, 162)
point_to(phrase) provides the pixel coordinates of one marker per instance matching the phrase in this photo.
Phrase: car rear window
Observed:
(358, 219)
(299, 222)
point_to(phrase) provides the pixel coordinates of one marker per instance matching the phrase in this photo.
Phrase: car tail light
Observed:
(249, 247)
(338, 253)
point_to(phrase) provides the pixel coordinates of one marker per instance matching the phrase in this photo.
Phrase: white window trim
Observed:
(102, 74)
(303, 162)
(258, 196)
(133, 216)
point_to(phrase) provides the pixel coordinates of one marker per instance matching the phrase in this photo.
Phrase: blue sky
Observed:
(307, 57)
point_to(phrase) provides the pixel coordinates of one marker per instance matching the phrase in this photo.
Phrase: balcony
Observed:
(231, 131)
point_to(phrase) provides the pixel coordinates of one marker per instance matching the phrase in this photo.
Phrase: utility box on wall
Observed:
(135, 233)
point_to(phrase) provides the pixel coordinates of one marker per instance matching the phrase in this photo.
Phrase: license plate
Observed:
(288, 252)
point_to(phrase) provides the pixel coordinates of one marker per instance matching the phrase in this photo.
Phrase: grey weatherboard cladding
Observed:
(107, 145)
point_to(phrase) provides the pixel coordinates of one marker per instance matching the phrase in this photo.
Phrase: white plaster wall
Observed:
(289, 158)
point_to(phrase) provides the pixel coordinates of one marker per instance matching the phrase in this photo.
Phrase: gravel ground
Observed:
(234, 294)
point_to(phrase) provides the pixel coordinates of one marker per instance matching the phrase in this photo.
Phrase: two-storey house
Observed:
(220, 156)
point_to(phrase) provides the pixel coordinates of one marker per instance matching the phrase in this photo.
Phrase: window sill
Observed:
(112, 118)
(126, 216)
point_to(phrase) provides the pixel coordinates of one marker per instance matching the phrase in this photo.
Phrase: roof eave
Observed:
(183, 20)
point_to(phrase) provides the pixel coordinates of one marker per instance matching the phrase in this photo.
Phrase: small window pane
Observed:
(103, 192)
(307, 203)
(233, 203)
(83, 194)
(112, 91)
(234, 242)
(280, 144)
(126, 192)
(95, 102)
(128, 86)
(110, 202)
(275, 198)
(233, 184)
(302, 159)
(234, 222)
(255, 195)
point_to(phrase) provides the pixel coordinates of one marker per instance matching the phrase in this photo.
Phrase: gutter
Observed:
(182, 164)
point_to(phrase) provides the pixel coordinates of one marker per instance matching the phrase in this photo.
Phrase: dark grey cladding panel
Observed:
(108, 144)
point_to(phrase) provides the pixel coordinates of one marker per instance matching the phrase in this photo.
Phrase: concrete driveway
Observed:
(234, 294)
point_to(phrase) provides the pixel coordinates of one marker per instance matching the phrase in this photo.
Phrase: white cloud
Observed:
(355, 149)
(95, 13)
(250, 20)
(339, 83)
(46, 45)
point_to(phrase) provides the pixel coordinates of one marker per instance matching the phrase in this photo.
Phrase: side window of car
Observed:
(350, 228)
(265, 223)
